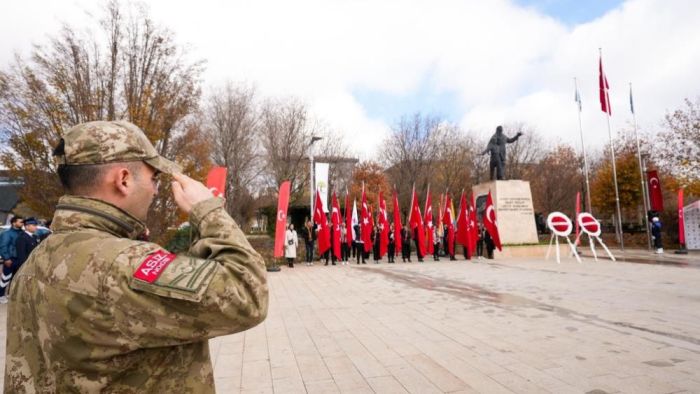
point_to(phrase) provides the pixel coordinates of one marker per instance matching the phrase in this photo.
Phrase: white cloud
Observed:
(505, 63)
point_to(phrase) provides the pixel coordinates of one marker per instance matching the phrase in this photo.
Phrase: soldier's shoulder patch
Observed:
(173, 276)
(153, 265)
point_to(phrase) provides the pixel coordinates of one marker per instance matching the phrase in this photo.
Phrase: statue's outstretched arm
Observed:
(510, 140)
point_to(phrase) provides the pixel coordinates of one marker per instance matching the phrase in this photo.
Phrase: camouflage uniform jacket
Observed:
(94, 310)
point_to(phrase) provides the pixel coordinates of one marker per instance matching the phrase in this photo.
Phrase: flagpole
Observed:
(583, 150)
(618, 225)
(641, 172)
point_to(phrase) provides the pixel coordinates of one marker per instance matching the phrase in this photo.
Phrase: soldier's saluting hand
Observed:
(94, 309)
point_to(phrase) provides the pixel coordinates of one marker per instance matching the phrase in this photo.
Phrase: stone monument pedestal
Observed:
(514, 211)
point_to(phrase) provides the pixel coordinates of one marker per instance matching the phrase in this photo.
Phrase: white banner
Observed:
(321, 175)
(691, 213)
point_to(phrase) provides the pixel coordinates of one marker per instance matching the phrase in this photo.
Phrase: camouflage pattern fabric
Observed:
(81, 320)
(101, 142)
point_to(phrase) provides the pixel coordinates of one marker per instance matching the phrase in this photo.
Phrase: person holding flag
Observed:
(448, 223)
(416, 222)
(429, 226)
(391, 247)
(383, 221)
(493, 239)
(397, 227)
(349, 238)
(406, 244)
(464, 231)
(324, 232)
(335, 232)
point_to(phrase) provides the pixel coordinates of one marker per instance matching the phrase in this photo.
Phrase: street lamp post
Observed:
(311, 176)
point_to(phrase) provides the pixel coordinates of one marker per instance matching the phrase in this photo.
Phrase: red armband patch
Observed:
(153, 266)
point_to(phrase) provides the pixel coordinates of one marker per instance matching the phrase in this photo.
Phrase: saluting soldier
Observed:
(94, 309)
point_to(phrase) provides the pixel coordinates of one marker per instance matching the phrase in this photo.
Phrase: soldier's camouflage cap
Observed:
(102, 142)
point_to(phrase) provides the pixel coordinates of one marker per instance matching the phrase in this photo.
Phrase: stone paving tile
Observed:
(489, 327)
(386, 384)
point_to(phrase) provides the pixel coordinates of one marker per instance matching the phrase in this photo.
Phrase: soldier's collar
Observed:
(73, 212)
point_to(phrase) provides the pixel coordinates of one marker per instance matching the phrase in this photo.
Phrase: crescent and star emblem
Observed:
(490, 214)
(281, 216)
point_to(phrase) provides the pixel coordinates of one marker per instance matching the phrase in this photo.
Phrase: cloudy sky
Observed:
(361, 64)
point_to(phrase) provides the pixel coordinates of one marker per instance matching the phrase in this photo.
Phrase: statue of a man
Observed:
(497, 149)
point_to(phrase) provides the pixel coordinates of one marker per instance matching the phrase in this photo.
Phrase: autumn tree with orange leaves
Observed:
(374, 178)
(129, 68)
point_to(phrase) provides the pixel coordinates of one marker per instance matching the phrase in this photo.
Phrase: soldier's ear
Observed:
(122, 180)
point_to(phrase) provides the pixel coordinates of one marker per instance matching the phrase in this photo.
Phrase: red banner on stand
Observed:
(281, 223)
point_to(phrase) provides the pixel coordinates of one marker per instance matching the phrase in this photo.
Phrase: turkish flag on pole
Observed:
(324, 232)
(429, 240)
(216, 181)
(365, 225)
(348, 220)
(681, 220)
(603, 86)
(335, 222)
(463, 229)
(397, 222)
(281, 224)
(655, 197)
(472, 222)
(490, 222)
(383, 226)
(447, 221)
(416, 223)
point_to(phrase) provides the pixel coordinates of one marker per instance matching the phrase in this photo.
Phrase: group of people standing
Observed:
(16, 243)
(356, 249)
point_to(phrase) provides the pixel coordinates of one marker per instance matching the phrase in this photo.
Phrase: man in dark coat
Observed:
(27, 241)
(405, 244)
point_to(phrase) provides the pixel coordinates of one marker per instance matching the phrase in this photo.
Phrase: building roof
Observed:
(9, 196)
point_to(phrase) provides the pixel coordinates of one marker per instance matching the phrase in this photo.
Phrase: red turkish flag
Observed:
(324, 232)
(463, 228)
(490, 222)
(447, 222)
(365, 222)
(383, 222)
(281, 223)
(655, 196)
(416, 222)
(473, 224)
(397, 222)
(681, 219)
(603, 87)
(335, 222)
(429, 239)
(216, 181)
(348, 220)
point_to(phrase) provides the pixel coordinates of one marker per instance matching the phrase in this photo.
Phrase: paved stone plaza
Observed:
(519, 325)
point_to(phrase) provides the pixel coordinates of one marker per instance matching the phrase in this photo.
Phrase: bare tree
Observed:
(525, 153)
(232, 122)
(286, 135)
(555, 181)
(411, 152)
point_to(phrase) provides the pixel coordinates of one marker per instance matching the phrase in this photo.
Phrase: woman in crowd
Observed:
(291, 244)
